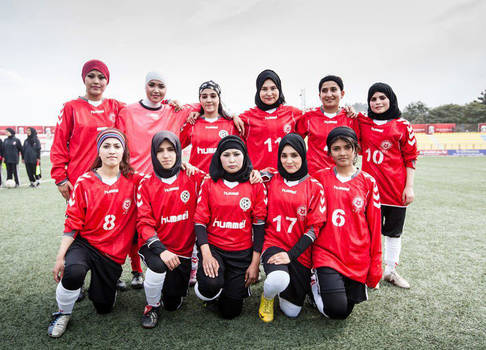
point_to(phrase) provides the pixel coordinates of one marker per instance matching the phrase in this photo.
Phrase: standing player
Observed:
(347, 253)
(318, 122)
(229, 207)
(296, 212)
(268, 122)
(99, 229)
(389, 154)
(166, 202)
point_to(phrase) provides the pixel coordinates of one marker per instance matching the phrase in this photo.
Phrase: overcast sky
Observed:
(433, 51)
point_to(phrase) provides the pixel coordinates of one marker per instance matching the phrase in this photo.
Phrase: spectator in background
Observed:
(1, 160)
(32, 149)
(12, 148)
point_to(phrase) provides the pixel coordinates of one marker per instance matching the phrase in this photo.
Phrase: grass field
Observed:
(443, 257)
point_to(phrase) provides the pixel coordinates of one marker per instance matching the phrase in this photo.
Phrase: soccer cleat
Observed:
(150, 316)
(192, 279)
(394, 278)
(121, 285)
(137, 280)
(58, 325)
(266, 309)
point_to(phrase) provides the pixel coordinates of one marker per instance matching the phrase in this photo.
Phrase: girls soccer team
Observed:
(325, 217)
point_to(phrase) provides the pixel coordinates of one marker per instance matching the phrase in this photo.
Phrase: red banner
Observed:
(482, 127)
(419, 127)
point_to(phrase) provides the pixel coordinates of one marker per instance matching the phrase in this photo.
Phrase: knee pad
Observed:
(204, 295)
(74, 275)
(102, 308)
(230, 308)
(289, 309)
(275, 283)
(336, 306)
(210, 287)
(172, 303)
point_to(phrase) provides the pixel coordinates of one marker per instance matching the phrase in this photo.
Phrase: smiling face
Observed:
(111, 152)
(291, 159)
(95, 83)
(232, 160)
(209, 101)
(379, 103)
(167, 155)
(330, 95)
(269, 93)
(155, 91)
(342, 153)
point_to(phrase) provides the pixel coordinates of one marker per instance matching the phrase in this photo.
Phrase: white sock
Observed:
(66, 298)
(288, 308)
(275, 283)
(317, 297)
(194, 259)
(152, 285)
(393, 246)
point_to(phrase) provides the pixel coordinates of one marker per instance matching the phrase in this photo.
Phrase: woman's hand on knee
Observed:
(58, 270)
(281, 258)
(210, 266)
(170, 259)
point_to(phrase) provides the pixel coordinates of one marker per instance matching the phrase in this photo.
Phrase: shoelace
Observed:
(267, 306)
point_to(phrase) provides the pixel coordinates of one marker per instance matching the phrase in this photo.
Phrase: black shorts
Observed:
(104, 271)
(176, 282)
(231, 272)
(300, 277)
(331, 281)
(392, 220)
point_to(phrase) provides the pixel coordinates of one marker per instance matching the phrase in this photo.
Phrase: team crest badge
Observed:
(245, 203)
(358, 203)
(301, 213)
(287, 128)
(386, 145)
(223, 133)
(126, 205)
(185, 195)
(112, 117)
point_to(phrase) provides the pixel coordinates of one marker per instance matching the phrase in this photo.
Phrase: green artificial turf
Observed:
(443, 258)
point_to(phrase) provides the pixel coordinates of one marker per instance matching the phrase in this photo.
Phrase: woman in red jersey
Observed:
(318, 122)
(79, 122)
(99, 229)
(268, 122)
(296, 212)
(166, 202)
(347, 253)
(229, 209)
(389, 155)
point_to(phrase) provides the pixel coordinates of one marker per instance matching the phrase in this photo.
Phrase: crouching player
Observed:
(166, 201)
(99, 230)
(347, 253)
(228, 208)
(296, 212)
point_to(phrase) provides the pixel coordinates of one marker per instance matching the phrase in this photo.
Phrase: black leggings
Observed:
(12, 170)
(337, 305)
(30, 167)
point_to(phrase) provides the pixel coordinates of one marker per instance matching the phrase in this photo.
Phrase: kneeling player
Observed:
(228, 208)
(296, 212)
(99, 230)
(166, 202)
(347, 253)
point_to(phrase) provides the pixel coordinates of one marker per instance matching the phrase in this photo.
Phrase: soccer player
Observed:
(268, 122)
(99, 229)
(389, 155)
(296, 212)
(229, 207)
(319, 121)
(166, 202)
(140, 121)
(347, 252)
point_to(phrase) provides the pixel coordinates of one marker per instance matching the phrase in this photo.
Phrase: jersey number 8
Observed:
(109, 222)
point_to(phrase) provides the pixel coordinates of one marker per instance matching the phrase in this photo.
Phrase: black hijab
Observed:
(216, 170)
(297, 143)
(393, 112)
(268, 74)
(156, 142)
(11, 131)
(340, 131)
(32, 138)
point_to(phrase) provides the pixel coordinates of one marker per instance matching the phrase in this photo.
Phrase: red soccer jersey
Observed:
(350, 242)
(140, 124)
(388, 149)
(316, 125)
(204, 137)
(263, 132)
(104, 214)
(74, 147)
(228, 213)
(168, 210)
(292, 211)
